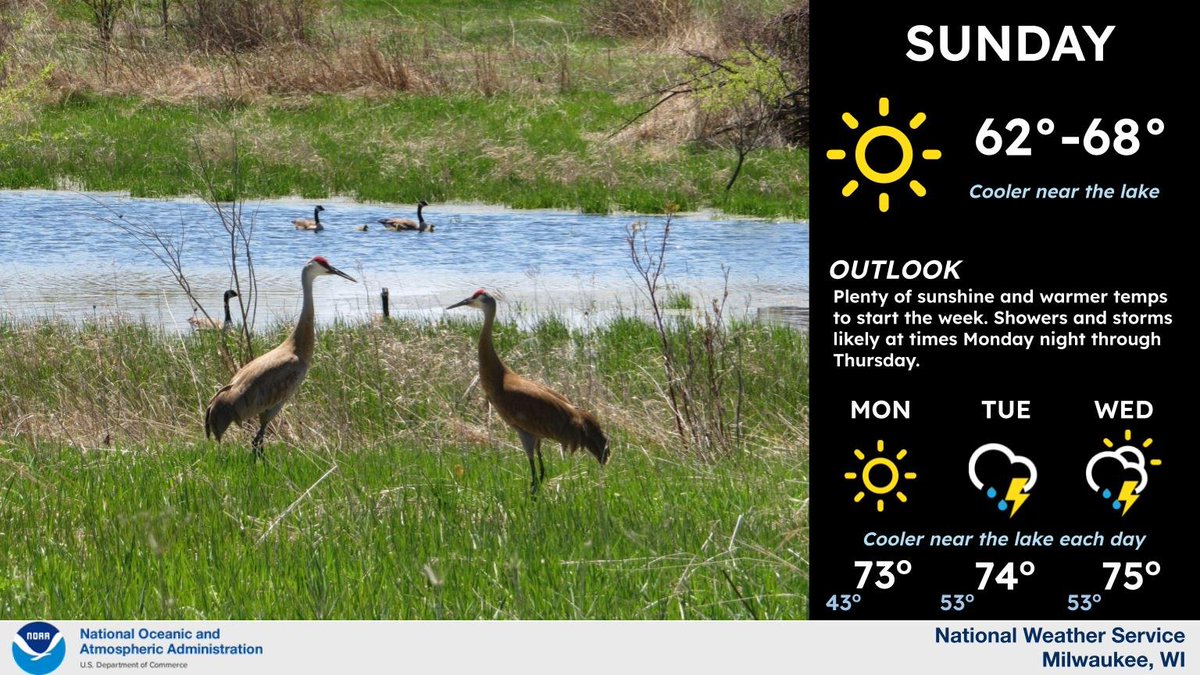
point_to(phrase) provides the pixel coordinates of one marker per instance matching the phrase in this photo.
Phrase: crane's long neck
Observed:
(491, 370)
(420, 218)
(304, 336)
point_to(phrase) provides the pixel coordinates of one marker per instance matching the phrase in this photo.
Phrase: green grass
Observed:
(678, 301)
(112, 504)
(505, 150)
(514, 103)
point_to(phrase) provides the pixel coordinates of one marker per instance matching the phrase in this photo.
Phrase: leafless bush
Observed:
(739, 24)
(786, 36)
(700, 363)
(635, 18)
(220, 186)
(104, 16)
(246, 25)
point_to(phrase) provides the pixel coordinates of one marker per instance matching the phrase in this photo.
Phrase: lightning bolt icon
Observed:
(1126, 495)
(1015, 495)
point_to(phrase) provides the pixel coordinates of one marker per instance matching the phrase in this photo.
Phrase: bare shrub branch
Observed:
(697, 359)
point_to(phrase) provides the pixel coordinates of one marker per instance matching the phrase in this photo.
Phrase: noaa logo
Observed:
(38, 648)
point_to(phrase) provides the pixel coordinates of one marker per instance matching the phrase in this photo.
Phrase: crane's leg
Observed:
(263, 420)
(541, 464)
(530, 443)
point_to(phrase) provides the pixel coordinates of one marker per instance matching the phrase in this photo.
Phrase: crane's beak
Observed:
(460, 303)
(342, 274)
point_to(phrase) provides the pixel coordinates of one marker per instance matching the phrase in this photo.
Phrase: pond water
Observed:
(68, 258)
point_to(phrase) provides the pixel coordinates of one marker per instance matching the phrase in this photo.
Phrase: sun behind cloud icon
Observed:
(1132, 460)
(871, 173)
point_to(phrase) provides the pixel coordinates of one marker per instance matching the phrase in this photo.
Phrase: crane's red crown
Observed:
(479, 293)
(321, 260)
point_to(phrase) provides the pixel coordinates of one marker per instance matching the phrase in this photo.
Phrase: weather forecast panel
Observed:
(999, 320)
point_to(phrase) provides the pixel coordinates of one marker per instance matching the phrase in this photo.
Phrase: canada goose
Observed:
(201, 323)
(406, 225)
(313, 225)
(361, 228)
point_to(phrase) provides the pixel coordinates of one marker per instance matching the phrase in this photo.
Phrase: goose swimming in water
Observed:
(313, 225)
(407, 225)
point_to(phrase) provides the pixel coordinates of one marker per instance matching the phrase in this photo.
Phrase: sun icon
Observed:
(880, 465)
(906, 155)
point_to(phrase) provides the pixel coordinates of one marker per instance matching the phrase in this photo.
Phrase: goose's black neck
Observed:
(317, 215)
(420, 218)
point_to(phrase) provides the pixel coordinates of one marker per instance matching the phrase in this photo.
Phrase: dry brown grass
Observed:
(360, 69)
(677, 121)
(118, 386)
(246, 25)
(636, 18)
(296, 48)
(114, 388)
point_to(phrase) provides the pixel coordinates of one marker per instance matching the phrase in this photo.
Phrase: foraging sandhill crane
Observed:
(313, 225)
(535, 411)
(265, 384)
(201, 323)
(406, 225)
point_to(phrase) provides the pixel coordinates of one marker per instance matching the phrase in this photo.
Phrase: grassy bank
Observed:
(389, 491)
(513, 103)
(503, 150)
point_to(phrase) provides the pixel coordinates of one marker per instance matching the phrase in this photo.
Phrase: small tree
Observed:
(746, 90)
(104, 16)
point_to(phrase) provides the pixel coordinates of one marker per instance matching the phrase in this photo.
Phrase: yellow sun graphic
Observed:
(881, 177)
(888, 467)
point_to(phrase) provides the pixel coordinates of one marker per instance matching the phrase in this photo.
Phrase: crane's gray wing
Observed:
(260, 385)
(541, 411)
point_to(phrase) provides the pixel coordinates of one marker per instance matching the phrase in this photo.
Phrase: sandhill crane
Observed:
(535, 411)
(201, 323)
(265, 384)
(406, 225)
(313, 225)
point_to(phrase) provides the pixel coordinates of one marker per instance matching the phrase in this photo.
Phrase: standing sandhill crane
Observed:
(406, 225)
(200, 323)
(262, 386)
(313, 225)
(535, 411)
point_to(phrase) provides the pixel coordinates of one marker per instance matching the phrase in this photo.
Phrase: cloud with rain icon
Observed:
(1131, 460)
(1019, 487)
